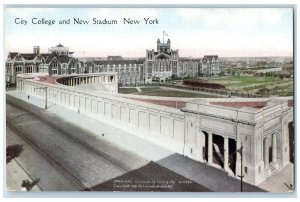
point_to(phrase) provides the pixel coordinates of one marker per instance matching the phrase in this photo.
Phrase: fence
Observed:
(200, 89)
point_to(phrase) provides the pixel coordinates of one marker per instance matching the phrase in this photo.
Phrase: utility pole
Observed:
(241, 176)
(46, 92)
(240, 151)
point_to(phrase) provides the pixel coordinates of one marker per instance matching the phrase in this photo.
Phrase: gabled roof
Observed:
(12, 54)
(158, 53)
(49, 59)
(47, 54)
(163, 55)
(28, 56)
(60, 59)
(63, 59)
(210, 57)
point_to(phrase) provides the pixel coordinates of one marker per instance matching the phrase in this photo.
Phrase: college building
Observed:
(58, 61)
(162, 63)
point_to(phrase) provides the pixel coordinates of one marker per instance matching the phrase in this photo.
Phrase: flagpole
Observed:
(163, 36)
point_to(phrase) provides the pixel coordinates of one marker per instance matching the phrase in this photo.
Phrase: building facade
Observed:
(162, 63)
(218, 132)
(165, 62)
(130, 72)
(58, 61)
(210, 66)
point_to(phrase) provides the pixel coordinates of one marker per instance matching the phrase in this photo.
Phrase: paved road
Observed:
(74, 165)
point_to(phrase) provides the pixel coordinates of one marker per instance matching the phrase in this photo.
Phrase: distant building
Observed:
(58, 61)
(211, 65)
(162, 63)
(129, 71)
(114, 58)
(165, 62)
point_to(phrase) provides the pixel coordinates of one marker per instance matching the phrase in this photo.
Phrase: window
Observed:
(54, 71)
(18, 69)
(29, 69)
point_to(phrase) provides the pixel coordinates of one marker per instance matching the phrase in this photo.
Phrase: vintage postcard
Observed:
(149, 99)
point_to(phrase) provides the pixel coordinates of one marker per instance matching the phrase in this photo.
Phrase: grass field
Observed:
(127, 90)
(257, 85)
(157, 91)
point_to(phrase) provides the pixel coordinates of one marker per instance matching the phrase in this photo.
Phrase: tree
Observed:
(13, 151)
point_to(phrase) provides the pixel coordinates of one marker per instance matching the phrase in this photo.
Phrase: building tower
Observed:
(163, 47)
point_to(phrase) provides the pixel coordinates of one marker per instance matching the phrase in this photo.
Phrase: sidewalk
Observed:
(15, 174)
(279, 181)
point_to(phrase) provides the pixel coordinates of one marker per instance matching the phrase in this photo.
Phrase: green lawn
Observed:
(157, 91)
(257, 85)
(127, 90)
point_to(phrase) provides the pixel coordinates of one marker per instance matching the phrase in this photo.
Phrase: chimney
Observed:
(36, 49)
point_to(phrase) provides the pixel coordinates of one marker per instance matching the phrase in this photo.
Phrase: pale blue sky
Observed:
(193, 31)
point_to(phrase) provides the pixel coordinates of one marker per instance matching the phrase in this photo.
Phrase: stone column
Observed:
(210, 148)
(266, 152)
(226, 151)
(274, 148)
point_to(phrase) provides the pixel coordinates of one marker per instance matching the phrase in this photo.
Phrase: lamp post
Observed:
(46, 90)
